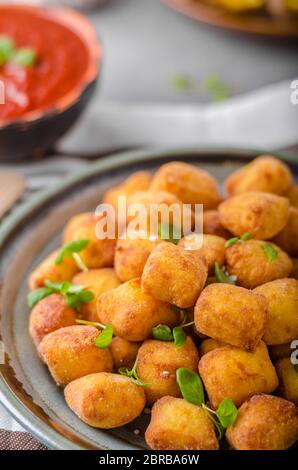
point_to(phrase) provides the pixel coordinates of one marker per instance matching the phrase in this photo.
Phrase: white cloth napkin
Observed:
(263, 119)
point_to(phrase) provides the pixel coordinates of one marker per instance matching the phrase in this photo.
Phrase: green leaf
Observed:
(104, 339)
(270, 252)
(220, 276)
(69, 248)
(169, 233)
(37, 295)
(162, 333)
(246, 236)
(7, 48)
(179, 336)
(75, 300)
(226, 413)
(191, 386)
(231, 242)
(25, 57)
(74, 294)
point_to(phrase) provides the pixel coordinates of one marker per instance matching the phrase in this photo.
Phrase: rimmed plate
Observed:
(29, 234)
(254, 22)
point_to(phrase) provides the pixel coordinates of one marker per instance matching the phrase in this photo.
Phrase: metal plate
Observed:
(27, 236)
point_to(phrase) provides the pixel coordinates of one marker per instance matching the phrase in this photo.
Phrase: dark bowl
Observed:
(37, 131)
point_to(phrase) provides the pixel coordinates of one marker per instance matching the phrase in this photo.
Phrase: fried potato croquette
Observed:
(265, 173)
(230, 372)
(279, 351)
(213, 249)
(178, 425)
(71, 353)
(174, 275)
(208, 345)
(250, 264)
(50, 314)
(189, 183)
(49, 270)
(264, 422)
(282, 322)
(131, 256)
(288, 379)
(292, 195)
(124, 352)
(132, 312)
(97, 281)
(157, 362)
(105, 400)
(231, 314)
(287, 239)
(212, 225)
(262, 215)
(98, 253)
(138, 181)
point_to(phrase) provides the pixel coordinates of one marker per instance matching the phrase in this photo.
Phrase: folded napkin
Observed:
(264, 119)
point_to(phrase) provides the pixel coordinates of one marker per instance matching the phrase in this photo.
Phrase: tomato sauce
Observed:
(62, 59)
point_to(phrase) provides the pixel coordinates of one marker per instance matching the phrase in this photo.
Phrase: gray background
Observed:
(146, 45)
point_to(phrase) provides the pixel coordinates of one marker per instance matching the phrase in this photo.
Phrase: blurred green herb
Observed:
(270, 252)
(162, 333)
(71, 250)
(7, 49)
(246, 236)
(222, 277)
(182, 83)
(25, 56)
(169, 232)
(218, 90)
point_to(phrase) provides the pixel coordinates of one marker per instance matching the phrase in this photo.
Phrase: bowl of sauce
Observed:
(49, 64)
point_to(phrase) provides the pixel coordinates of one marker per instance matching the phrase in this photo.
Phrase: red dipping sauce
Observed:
(62, 60)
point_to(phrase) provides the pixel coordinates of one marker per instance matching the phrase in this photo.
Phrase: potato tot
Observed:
(71, 353)
(264, 422)
(250, 263)
(209, 345)
(174, 275)
(288, 379)
(98, 253)
(50, 314)
(124, 352)
(231, 314)
(213, 249)
(131, 256)
(292, 195)
(282, 322)
(138, 181)
(189, 183)
(49, 270)
(179, 425)
(157, 362)
(279, 351)
(97, 281)
(287, 239)
(105, 400)
(212, 225)
(265, 173)
(261, 214)
(230, 372)
(132, 312)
